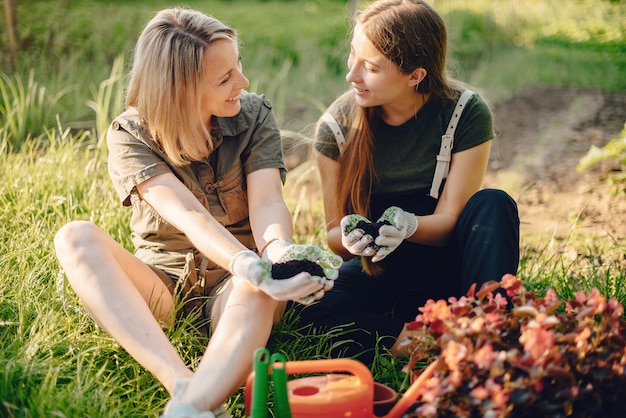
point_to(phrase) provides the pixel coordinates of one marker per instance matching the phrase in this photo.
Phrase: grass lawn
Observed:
(67, 85)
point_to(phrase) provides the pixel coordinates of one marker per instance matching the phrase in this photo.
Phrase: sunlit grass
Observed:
(25, 107)
(54, 360)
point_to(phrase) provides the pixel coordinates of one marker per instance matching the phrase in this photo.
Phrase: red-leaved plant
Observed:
(522, 357)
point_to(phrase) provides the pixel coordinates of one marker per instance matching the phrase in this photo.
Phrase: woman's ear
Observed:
(417, 76)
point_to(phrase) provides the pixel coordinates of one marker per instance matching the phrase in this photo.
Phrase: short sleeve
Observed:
(130, 161)
(475, 125)
(325, 142)
(265, 146)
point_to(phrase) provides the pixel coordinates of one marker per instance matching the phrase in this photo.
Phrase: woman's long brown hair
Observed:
(412, 35)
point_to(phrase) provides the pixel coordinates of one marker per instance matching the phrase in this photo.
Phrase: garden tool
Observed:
(262, 363)
(260, 388)
(332, 395)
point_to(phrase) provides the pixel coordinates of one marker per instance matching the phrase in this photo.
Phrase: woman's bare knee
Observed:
(279, 312)
(248, 297)
(80, 248)
(74, 236)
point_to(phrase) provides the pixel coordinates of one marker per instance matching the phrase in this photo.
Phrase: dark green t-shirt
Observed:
(405, 155)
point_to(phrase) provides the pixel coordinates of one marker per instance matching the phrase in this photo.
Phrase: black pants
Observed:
(372, 310)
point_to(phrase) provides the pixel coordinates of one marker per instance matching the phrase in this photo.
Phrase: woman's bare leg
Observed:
(121, 292)
(243, 317)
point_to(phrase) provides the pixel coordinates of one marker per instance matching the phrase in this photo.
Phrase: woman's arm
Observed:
(269, 215)
(329, 172)
(467, 170)
(175, 202)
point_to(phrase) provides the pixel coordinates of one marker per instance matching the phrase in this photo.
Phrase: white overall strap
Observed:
(334, 127)
(447, 141)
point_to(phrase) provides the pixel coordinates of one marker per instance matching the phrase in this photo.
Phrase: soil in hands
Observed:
(291, 268)
(371, 228)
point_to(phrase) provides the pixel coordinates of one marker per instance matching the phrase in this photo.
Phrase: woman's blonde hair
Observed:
(165, 78)
(412, 35)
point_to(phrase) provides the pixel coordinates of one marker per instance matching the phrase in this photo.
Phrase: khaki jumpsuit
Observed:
(244, 143)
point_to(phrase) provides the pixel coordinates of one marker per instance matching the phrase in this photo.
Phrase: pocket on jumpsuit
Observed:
(190, 290)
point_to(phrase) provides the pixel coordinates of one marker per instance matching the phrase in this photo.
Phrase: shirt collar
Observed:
(234, 125)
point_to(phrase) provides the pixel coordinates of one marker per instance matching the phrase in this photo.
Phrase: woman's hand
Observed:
(282, 251)
(249, 266)
(401, 226)
(354, 239)
(303, 287)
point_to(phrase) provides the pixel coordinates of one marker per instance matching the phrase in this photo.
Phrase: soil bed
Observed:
(542, 134)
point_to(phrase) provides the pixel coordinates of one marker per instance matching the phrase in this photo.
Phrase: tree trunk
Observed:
(354, 4)
(10, 17)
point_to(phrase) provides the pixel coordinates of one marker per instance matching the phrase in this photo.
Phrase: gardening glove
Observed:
(354, 239)
(401, 226)
(283, 251)
(247, 265)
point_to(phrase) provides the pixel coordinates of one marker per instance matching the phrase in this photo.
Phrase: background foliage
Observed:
(68, 83)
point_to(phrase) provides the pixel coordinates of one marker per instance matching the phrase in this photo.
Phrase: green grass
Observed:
(54, 361)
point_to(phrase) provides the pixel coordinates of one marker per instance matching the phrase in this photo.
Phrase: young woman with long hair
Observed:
(402, 156)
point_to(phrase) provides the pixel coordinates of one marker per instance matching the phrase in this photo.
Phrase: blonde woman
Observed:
(199, 160)
(402, 156)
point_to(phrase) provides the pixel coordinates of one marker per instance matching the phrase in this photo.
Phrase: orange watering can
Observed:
(347, 391)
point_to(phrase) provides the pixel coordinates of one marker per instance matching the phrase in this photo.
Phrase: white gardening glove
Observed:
(247, 265)
(354, 239)
(401, 226)
(322, 265)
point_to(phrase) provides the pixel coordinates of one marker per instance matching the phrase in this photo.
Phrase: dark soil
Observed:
(291, 268)
(542, 134)
(371, 228)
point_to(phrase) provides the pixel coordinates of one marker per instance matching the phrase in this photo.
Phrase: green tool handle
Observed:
(279, 377)
(260, 383)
